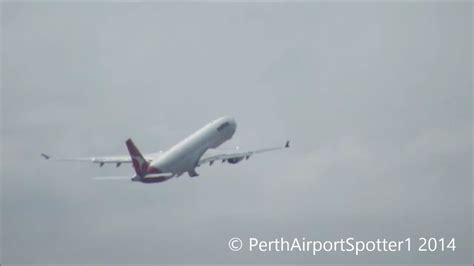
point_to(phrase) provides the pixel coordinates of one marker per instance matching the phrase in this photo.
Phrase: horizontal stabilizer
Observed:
(111, 178)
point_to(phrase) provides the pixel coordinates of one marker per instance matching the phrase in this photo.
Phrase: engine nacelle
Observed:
(235, 160)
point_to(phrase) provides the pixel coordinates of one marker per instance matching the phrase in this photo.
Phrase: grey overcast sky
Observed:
(376, 99)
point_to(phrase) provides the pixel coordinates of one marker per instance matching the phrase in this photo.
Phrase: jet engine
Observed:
(235, 160)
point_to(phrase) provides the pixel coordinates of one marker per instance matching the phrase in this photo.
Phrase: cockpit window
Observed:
(221, 127)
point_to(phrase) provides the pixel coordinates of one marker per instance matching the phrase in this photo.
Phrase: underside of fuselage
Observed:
(151, 180)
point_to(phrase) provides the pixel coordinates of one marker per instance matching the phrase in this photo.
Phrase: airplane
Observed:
(197, 149)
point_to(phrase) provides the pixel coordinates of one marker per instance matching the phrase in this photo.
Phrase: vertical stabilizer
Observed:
(139, 162)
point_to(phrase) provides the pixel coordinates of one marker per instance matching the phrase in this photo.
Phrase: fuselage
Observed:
(184, 156)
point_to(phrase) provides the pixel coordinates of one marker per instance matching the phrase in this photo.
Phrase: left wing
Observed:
(117, 160)
(236, 157)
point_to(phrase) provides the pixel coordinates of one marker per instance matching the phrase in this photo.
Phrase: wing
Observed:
(117, 160)
(235, 157)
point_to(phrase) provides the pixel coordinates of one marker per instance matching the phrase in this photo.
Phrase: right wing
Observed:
(237, 156)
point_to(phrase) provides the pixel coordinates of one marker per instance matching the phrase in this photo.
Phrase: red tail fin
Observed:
(139, 162)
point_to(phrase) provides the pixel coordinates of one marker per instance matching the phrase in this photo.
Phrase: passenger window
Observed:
(221, 127)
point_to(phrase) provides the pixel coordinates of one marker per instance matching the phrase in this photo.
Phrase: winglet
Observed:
(287, 145)
(47, 157)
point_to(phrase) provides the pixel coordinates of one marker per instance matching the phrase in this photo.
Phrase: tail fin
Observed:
(139, 162)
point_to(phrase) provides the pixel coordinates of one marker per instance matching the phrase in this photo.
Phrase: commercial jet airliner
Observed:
(194, 151)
